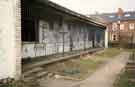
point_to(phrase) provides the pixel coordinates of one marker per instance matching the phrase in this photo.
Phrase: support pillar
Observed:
(106, 38)
(10, 39)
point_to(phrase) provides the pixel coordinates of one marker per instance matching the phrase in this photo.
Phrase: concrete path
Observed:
(105, 76)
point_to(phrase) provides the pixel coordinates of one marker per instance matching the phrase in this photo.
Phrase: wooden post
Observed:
(63, 39)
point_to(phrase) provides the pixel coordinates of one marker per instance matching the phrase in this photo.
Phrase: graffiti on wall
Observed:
(44, 26)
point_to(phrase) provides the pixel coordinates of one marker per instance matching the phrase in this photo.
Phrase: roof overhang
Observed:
(72, 13)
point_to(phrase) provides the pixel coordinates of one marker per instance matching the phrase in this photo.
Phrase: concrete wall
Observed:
(106, 38)
(79, 34)
(51, 40)
(10, 39)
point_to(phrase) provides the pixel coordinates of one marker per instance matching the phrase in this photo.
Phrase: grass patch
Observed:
(20, 83)
(110, 52)
(130, 50)
(123, 81)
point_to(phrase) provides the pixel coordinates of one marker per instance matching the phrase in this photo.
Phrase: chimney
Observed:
(120, 12)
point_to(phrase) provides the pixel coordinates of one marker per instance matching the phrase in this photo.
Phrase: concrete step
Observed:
(41, 74)
(131, 63)
(36, 76)
(31, 71)
(130, 70)
(131, 80)
(29, 78)
(130, 66)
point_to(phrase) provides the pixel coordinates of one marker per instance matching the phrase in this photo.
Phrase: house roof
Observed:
(112, 17)
(73, 13)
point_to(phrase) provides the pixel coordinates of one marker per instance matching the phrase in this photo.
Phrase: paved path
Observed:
(105, 76)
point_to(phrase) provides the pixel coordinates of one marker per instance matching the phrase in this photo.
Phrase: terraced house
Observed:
(120, 25)
(40, 28)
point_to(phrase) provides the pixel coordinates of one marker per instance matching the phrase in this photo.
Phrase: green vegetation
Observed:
(110, 52)
(127, 78)
(7, 85)
(124, 81)
(99, 58)
(130, 50)
(20, 83)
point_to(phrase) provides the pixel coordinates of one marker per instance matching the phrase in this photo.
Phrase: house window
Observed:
(90, 36)
(51, 25)
(114, 37)
(121, 26)
(127, 15)
(44, 25)
(131, 26)
(114, 26)
(111, 16)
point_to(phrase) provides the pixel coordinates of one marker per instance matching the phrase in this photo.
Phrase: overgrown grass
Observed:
(130, 50)
(88, 67)
(104, 56)
(21, 83)
(123, 81)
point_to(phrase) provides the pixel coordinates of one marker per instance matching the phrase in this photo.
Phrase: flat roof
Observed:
(73, 13)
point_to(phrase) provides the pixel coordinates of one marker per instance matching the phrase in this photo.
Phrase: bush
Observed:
(20, 83)
(7, 83)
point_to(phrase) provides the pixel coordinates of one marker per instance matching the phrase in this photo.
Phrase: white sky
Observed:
(101, 6)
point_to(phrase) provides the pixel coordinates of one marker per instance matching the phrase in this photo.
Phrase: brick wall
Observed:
(17, 11)
(10, 39)
(125, 30)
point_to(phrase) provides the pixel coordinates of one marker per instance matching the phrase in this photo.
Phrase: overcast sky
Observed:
(101, 6)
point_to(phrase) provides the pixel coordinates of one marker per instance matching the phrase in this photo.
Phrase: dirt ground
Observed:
(102, 77)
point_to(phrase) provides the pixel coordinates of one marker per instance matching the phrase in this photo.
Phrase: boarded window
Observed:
(122, 26)
(51, 25)
(114, 26)
(114, 38)
(29, 31)
(98, 36)
(131, 26)
(90, 36)
(44, 27)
